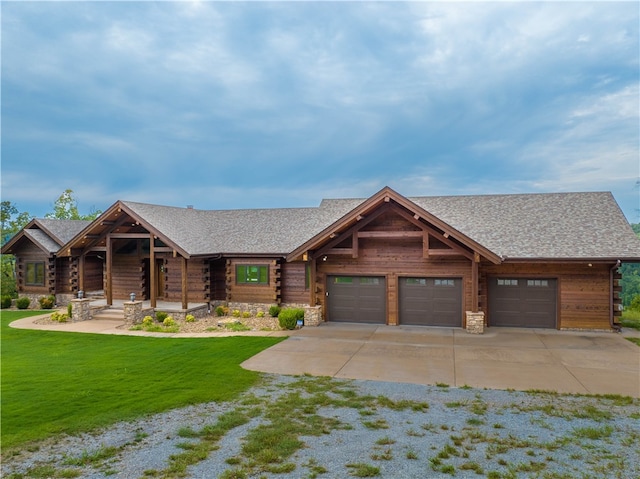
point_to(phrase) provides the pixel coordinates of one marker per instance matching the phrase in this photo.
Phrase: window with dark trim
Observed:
(35, 273)
(444, 282)
(252, 274)
(307, 277)
(507, 282)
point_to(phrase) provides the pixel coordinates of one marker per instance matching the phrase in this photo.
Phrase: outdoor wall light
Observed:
(324, 258)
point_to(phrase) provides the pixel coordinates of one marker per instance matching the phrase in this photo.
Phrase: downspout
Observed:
(611, 302)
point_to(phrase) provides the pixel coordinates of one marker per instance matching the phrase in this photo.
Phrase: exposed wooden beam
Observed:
(340, 251)
(425, 245)
(354, 244)
(349, 231)
(447, 252)
(130, 236)
(390, 234)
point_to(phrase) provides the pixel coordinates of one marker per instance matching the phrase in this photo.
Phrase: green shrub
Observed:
(635, 303)
(288, 318)
(47, 302)
(147, 320)
(190, 318)
(274, 311)
(222, 311)
(70, 310)
(23, 303)
(161, 316)
(236, 313)
(260, 314)
(169, 321)
(246, 314)
(5, 302)
(60, 317)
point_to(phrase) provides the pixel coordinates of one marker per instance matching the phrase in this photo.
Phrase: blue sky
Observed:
(246, 105)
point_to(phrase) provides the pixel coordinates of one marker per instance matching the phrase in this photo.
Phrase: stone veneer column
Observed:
(133, 312)
(81, 309)
(475, 322)
(312, 316)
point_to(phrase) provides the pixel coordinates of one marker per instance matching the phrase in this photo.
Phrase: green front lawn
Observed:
(55, 382)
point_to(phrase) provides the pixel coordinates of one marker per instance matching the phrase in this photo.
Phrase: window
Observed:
(538, 282)
(252, 274)
(507, 282)
(342, 280)
(444, 282)
(364, 280)
(35, 274)
(417, 281)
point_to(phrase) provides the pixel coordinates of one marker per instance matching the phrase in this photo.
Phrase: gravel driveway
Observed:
(302, 426)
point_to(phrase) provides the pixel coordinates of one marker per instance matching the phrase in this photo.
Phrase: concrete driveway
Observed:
(502, 358)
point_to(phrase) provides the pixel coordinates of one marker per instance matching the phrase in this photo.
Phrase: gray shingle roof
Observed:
(259, 231)
(43, 239)
(552, 226)
(63, 230)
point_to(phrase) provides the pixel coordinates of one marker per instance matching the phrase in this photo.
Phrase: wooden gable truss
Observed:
(117, 225)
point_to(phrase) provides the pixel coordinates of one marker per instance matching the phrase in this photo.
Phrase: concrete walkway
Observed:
(501, 358)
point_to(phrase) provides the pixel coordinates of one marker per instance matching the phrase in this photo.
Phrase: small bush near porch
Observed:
(56, 383)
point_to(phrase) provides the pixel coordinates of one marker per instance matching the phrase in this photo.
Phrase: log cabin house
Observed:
(524, 260)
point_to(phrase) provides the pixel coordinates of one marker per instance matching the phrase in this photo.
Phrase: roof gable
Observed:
(361, 214)
(47, 234)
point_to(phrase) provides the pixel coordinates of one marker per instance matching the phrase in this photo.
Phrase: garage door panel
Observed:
(430, 301)
(356, 299)
(523, 302)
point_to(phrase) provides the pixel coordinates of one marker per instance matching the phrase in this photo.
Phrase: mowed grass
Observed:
(54, 382)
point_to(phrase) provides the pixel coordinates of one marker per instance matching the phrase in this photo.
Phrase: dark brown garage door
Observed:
(523, 302)
(359, 299)
(430, 301)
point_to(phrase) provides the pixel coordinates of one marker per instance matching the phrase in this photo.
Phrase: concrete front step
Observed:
(109, 314)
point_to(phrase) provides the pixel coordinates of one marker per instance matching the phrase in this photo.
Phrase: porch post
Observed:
(474, 282)
(185, 283)
(312, 283)
(152, 271)
(81, 272)
(109, 285)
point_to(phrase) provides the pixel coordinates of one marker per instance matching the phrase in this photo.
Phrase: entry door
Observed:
(430, 301)
(360, 299)
(523, 302)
